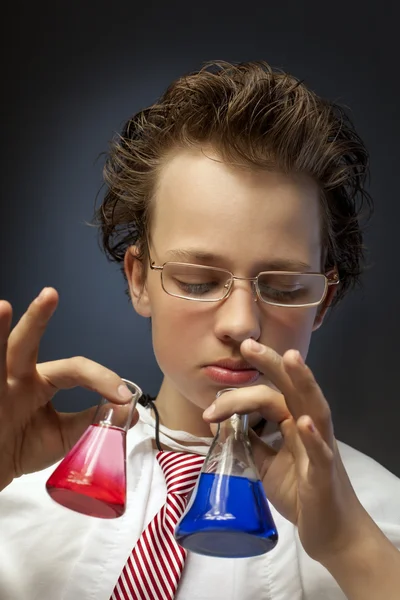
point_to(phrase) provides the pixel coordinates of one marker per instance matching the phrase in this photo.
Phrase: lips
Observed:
(231, 372)
(232, 364)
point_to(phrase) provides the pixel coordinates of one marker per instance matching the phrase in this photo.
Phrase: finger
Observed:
(268, 362)
(294, 444)
(5, 325)
(309, 398)
(80, 371)
(23, 342)
(269, 403)
(296, 382)
(320, 456)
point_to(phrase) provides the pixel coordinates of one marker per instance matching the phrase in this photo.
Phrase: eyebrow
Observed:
(204, 257)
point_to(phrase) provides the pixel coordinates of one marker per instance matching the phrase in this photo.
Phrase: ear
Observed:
(332, 274)
(136, 276)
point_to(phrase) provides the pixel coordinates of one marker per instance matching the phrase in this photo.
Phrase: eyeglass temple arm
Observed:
(334, 278)
(155, 267)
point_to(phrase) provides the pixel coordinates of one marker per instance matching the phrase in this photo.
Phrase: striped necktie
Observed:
(155, 565)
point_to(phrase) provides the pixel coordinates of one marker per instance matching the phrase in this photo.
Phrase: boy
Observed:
(233, 205)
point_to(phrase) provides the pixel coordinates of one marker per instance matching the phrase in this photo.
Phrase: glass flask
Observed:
(91, 479)
(228, 514)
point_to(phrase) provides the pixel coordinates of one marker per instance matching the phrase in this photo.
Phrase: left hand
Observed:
(305, 480)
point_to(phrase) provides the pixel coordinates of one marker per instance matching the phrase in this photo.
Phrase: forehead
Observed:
(237, 214)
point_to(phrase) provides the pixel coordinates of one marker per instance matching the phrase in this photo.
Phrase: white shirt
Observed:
(48, 552)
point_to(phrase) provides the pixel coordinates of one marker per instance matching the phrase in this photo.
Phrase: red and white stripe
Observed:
(155, 565)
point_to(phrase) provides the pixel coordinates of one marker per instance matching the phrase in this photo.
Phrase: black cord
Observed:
(146, 400)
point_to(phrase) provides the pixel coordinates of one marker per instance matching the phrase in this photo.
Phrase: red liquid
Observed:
(92, 477)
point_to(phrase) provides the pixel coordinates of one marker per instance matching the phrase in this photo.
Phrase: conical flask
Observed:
(91, 479)
(228, 513)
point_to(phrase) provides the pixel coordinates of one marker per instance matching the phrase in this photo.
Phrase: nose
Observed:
(238, 315)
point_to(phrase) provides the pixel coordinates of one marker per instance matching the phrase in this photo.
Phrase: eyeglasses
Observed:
(209, 284)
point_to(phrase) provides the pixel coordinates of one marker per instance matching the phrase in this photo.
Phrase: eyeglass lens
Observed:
(207, 283)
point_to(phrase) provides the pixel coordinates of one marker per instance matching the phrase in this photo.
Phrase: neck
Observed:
(180, 414)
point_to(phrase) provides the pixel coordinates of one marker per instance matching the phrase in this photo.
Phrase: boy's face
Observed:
(249, 220)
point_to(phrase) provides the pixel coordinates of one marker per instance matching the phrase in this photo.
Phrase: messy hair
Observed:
(254, 116)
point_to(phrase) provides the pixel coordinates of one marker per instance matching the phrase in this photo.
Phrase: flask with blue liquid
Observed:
(228, 513)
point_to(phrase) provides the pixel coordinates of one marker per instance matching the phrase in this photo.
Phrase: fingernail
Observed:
(210, 410)
(124, 392)
(311, 427)
(253, 345)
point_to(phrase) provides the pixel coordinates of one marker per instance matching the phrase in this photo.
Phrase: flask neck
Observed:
(230, 453)
(237, 426)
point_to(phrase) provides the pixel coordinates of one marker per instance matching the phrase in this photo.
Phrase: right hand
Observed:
(33, 435)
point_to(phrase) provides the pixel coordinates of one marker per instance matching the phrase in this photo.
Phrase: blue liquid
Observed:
(228, 516)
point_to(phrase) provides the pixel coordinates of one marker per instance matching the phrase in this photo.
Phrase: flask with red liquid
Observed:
(91, 479)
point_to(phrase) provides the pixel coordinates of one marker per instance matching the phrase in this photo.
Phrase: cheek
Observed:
(289, 329)
(177, 326)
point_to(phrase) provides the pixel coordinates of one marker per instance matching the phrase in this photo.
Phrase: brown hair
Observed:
(254, 116)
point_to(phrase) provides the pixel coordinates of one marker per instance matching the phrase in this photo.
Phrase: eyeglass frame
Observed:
(328, 282)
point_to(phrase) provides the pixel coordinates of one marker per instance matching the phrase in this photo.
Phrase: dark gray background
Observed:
(72, 73)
